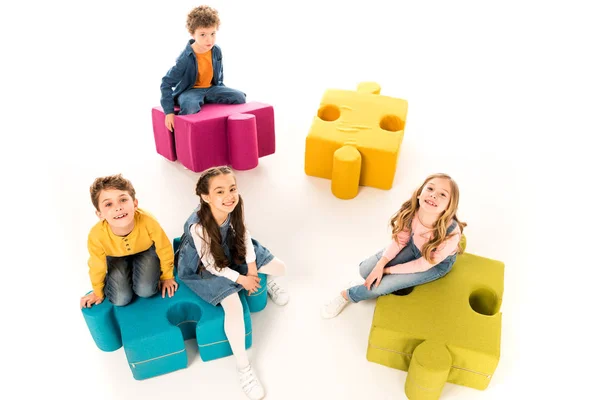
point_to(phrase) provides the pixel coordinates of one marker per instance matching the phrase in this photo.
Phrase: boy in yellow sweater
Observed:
(129, 251)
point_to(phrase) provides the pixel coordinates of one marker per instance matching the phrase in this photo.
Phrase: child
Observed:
(198, 72)
(129, 251)
(425, 237)
(218, 258)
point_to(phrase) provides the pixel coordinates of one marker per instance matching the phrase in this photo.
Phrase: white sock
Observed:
(234, 328)
(273, 269)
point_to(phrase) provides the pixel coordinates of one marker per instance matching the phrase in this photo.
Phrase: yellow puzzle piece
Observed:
(445, 330)
(355, 139)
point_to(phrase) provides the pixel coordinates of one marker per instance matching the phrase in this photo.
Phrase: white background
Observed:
(503, 96)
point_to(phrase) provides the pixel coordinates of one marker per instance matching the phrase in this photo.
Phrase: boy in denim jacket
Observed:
(197, 77)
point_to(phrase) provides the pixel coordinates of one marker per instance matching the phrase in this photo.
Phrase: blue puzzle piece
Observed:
(152, 331)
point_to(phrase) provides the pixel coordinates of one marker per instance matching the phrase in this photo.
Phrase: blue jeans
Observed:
(192, 100)
(141, 268)
(393, 282)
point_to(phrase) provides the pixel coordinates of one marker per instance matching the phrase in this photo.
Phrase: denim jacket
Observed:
(187, 258)
(183, 76)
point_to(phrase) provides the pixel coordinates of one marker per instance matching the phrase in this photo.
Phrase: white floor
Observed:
(502, 96)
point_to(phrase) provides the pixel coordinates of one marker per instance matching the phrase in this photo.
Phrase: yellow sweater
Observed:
(103, 242)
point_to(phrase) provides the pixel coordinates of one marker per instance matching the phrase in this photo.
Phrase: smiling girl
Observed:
(222, 258)
(425, 241)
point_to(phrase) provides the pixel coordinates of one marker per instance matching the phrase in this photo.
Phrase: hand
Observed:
(170, 122)
(251, 283)
(252, 270)
(89, 300)
(168, 285)
(374, 277)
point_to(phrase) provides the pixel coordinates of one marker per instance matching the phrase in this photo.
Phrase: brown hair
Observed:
(115, 182)
(402, 220)
(211, 232)
(202, 17)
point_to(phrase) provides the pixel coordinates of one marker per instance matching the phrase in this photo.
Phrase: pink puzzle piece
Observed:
(220, 134)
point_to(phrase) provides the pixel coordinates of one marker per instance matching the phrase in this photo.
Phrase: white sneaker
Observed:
(250, 383)
(338, 303)
(334, 307)
(279, 295)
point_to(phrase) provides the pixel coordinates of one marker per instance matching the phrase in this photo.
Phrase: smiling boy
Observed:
(129, 251)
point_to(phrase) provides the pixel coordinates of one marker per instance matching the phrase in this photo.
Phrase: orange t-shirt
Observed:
(205, 70)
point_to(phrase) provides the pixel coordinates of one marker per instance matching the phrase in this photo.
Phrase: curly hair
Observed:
(107, 183)
(402, 219)
(202, 17)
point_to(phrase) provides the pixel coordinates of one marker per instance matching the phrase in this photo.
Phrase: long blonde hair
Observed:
(402, 219)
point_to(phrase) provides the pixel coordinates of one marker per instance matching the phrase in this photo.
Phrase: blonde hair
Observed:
(402, 219)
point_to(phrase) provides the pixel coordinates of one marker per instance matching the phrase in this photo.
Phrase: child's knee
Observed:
(238, 97)
(279, 268)
(366, 267)
(283, 267)
(188, 108)
(364, 272)
(120, 297)
(145, 289)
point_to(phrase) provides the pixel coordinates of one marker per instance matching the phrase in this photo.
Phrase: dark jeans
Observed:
(138, 273)
(192, 100)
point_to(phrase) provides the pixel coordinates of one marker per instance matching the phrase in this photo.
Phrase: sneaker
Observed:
(334, 307)
(279, 295)
(338, 303)
(250, 383)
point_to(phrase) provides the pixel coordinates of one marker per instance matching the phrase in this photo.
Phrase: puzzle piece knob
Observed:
(428, 371)
(103, 326)
(369, 87)
(346, 172)
(243, 141)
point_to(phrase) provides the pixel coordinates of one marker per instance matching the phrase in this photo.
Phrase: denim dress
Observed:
(394, 282)
(212, 288)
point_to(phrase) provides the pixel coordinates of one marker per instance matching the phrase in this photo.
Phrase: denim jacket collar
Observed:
(188, 47)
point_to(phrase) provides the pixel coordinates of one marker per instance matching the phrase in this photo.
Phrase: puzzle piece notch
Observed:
(365, 120)
(461, 310)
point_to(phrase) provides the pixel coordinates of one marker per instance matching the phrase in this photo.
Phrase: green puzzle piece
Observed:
(458, 320)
